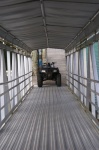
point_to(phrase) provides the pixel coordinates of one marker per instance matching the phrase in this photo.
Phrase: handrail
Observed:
(84, 77)
(15, 79)
(14, 86)
(85, 96)
(19, 100)
(84, 85)
(15, 95)
(91, 90)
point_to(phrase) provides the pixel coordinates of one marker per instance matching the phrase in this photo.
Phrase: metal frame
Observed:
(44, 21)
(15, 82)
(84, 77)
(13, 40)
(91, 27)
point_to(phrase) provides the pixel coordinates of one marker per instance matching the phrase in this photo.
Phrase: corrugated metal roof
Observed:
(63, 20)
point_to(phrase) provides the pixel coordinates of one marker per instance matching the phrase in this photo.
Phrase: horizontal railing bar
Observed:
(14, 79)
(85, 78)
(14, 86)
(8, 115)
(77, 88)
(84, 95)
(84, 86)
(78, 81)
(15, 95)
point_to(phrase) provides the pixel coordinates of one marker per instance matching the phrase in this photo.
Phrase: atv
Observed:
(48, 72)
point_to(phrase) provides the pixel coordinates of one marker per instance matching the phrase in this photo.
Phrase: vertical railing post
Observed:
(81, 74)
(69, 70)
(29, 60)
(25, 69)
(67, 73)
(88, 100)
(14, 76)
(95, 86)
(22, 73)
(19, 74)
(5, 99)
(66, 69)
(73, 71)
(30, 70)
(79, 88)
(9, 71)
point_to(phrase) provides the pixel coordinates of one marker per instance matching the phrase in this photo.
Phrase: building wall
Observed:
(58, 56)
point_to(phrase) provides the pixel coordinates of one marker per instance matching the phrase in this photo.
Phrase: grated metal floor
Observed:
(50, 119)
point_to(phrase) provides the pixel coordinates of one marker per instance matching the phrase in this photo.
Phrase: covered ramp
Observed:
(50, 118)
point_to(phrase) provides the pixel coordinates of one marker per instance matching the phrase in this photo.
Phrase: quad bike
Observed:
(48, 72)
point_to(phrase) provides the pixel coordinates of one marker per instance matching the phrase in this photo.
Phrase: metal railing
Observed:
(70, 76)
(20, 95)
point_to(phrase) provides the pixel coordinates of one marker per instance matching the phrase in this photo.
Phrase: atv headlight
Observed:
(43, 71)
(54, 70)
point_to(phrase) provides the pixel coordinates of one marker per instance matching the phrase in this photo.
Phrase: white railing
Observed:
(15, 82)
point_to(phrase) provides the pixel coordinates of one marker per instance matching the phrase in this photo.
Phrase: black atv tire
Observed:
(58, 80)
(39, 80)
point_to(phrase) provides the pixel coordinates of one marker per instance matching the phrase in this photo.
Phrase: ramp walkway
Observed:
(50, 119)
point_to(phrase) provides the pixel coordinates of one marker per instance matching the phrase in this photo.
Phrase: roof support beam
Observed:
(7, 36)
(44, 21)
(91, 27)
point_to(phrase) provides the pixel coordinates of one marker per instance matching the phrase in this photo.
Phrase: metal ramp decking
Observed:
(50, 119)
